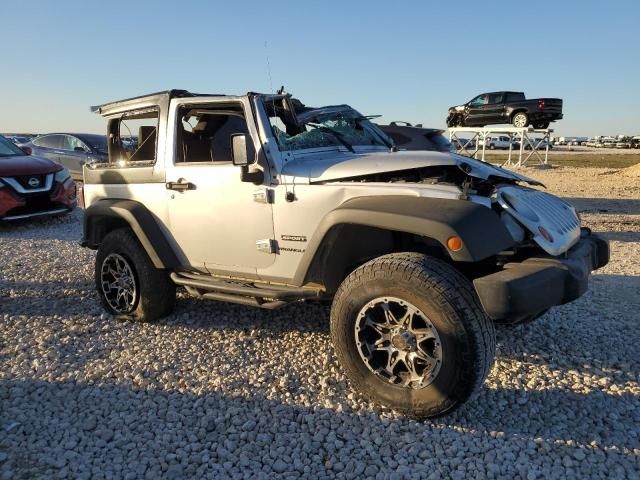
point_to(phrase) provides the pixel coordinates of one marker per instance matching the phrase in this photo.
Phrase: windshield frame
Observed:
(12, 146)
(303, 116)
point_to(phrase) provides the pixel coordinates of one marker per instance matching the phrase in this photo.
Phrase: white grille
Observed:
(535, 209)
(562, 216)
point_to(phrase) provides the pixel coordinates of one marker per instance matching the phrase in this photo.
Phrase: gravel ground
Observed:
(219, 390)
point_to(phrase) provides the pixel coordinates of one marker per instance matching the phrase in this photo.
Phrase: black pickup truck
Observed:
(505, 107)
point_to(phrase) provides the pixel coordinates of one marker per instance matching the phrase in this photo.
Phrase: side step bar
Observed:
(264, 296)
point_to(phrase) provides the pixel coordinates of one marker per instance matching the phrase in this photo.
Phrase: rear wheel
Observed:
(520, 120)
(411, 335)
(128, 283)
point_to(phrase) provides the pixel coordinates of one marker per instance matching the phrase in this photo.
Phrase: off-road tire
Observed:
(155, 293)
(516, 119)
(449, 301)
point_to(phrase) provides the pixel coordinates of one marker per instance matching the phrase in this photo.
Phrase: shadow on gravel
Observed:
(597, 334)
(47, 298)
(631, 237)
(64, 299)
(49, 427)
(628, 206)
(31, 228)
(192, 313)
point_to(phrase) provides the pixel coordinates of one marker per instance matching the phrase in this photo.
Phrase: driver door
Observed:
(477, 110)
(217, 221)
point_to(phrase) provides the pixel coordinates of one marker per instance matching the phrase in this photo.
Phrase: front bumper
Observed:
(60, 199)
(530, 287)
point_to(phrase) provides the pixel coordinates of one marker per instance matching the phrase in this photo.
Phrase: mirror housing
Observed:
(243, 156)
(239, 150)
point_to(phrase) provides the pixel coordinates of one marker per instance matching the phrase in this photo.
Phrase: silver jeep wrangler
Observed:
(260, 200)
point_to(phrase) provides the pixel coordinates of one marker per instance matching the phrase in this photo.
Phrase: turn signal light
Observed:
(545, 234)
(454, 244)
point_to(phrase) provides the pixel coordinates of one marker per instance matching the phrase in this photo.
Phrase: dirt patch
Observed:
(633, 171)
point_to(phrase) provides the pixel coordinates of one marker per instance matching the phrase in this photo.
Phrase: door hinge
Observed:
(263, 196)
(267, 245)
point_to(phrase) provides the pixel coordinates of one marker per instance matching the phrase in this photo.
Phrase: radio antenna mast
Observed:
(266, 49)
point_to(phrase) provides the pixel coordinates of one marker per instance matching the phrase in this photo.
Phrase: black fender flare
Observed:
(101, 215)
(482, 232)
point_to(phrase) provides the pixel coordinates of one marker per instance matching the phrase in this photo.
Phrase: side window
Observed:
(133, 137)
(49, 141)
(71, 143)
(204, 132)
(479, 100)
(515, 97)
(495, 98)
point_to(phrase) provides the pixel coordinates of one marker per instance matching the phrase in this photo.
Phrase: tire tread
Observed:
(453, 289)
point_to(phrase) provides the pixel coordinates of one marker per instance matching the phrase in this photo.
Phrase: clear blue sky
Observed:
(406, 60)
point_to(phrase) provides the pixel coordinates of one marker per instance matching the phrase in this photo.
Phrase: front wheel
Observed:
(454, 121)
(128, 283)
(520, 120)
(411, 335)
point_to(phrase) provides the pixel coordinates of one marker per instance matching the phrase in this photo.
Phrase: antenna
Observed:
(266, 49)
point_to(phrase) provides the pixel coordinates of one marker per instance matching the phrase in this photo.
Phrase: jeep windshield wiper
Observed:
(335, 133)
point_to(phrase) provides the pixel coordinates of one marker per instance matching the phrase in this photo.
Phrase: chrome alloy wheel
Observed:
(398, 342)
(520, 120)
(118, 283)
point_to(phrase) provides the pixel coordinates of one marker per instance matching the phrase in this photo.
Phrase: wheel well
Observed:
(101, 225)
(520, 110)
(347, 246)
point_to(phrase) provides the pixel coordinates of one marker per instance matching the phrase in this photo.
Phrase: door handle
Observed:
(181, 185)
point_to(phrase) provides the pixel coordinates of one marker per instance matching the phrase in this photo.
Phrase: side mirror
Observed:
(243, 155)
(27, 150)
(239, 150)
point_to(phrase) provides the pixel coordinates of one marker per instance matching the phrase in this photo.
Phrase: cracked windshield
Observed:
(323, 127)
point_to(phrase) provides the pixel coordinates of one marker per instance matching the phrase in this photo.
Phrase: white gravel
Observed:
(219, 390)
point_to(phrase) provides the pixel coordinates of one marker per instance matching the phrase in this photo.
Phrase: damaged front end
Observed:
(535, 220)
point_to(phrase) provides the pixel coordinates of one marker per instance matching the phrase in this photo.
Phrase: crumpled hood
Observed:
(329, 166)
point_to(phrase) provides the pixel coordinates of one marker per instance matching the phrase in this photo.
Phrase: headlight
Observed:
(62, 175)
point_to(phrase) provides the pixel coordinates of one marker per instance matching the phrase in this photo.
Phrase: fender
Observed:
(105, 215)
(480, 228)
(511, 111)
